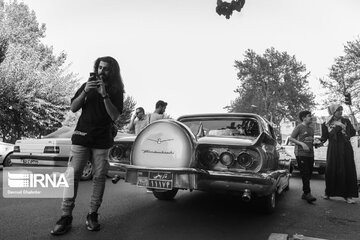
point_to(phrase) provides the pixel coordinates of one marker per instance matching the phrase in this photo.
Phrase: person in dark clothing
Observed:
(340, 175)
(101, 102)
(303, 137)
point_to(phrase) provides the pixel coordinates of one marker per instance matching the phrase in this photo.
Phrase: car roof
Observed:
(6, 144)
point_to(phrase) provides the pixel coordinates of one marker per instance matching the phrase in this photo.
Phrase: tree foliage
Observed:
(344, 76)
(129, 106)
(273, 85)
(35, 84)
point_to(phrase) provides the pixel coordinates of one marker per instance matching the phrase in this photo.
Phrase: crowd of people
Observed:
(101, 102)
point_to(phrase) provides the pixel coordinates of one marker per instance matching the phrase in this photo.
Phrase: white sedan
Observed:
(54, 150)
(6, 149)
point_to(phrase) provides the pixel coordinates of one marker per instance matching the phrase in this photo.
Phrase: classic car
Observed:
(6, 149)
(222, 153)
(319, 156)
(54, 150)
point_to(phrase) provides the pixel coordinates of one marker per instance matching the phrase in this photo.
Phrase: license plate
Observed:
(30, 161)
(143, 179)
(156, 180)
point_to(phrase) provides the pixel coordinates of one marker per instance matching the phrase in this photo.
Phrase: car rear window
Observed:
(239, 127)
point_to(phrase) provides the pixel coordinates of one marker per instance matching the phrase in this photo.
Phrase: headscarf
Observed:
(332, 108)
(330, 121)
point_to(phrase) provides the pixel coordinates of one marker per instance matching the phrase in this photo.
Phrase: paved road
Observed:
(130, 213)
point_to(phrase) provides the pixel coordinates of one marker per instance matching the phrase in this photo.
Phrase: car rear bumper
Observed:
(34, 160)
(116, 169)
(260, 184)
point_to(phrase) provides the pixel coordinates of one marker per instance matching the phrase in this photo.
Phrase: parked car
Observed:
(6, 149)
(319, 155)
(54, 150)
(222, 153)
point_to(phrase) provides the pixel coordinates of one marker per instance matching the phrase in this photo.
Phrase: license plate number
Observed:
(155, 180)
(30, 161)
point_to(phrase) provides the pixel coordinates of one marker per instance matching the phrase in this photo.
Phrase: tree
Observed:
(71, 118)
(344, 76)
(129, 106)
(35, 86)
(273, 85)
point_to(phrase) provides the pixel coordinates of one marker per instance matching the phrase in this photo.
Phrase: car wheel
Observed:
(87, 172)
(165, 195)
(7, 161)
(269, 203)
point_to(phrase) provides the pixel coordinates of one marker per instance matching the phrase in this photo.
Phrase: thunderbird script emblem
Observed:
(159, 140)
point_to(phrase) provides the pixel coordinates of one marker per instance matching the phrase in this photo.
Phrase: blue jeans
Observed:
(78, 158)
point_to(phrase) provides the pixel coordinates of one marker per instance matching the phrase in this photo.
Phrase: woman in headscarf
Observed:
(340, 176)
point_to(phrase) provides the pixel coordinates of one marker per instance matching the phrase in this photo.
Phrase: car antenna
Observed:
(200, 132)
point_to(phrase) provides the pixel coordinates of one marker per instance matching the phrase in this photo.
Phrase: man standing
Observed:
(138, 121)
(101, 102)
(158, 114)
(303, 137)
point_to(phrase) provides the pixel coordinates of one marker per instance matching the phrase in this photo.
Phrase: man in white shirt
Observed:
(138, 121)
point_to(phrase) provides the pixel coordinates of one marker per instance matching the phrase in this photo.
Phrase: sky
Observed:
(183, 52)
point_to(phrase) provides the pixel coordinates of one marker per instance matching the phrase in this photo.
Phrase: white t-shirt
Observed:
(140, 124)
(152, 117)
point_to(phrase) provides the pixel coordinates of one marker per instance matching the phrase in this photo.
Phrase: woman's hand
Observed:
(340, 124)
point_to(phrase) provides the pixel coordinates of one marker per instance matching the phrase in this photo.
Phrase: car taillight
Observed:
(249, 160)
(227, 158)
(118, 152)
(245, 160)
(16, 148)
(52, 149)
(209, 158)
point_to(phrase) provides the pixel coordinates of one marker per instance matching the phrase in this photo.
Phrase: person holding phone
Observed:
(101, 101)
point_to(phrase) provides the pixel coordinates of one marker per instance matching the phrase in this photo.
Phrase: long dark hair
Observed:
(115, 79)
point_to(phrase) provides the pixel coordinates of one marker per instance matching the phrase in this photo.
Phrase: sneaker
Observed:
(349, 200)
(62, 226)
(326, 197)
(308, 197)
(92, 223)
